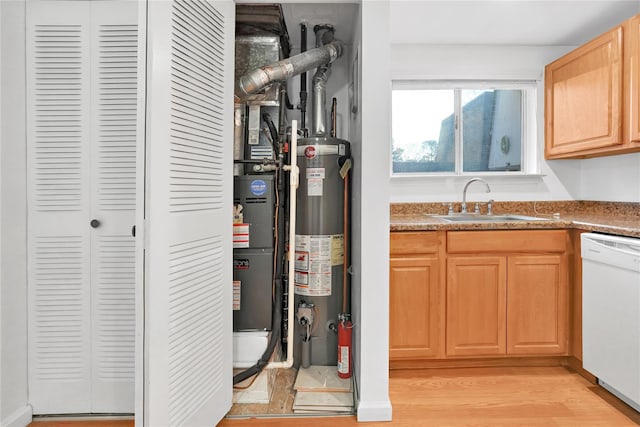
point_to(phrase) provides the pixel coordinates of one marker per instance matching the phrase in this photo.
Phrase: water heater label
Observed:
(258, 187)
(315, 181)
(313, 265)
(315, 173)
(314, 186)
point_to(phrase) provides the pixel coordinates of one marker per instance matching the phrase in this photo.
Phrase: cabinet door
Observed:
(414, 319)
(583, 98)
(537, 304)
(476, 305)
(632, 77)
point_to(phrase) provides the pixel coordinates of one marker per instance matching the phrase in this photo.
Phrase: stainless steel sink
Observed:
(487, 218)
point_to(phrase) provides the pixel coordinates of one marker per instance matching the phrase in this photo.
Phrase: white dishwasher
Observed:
(611, 313)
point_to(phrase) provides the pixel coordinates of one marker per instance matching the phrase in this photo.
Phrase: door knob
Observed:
(95, 223)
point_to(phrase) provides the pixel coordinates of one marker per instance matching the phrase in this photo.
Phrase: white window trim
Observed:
(530, 153)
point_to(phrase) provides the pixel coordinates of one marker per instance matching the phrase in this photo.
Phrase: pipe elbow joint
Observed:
(335, 49)
(252, 83)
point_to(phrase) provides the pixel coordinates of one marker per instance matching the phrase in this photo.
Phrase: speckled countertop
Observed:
(605, 217)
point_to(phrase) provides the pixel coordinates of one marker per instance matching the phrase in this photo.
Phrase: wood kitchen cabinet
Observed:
(415, 310)
(632, 78)
(507, 293)
(476, 305)
(537, 304)
(591, 97)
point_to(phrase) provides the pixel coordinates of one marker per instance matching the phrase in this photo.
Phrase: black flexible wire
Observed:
(272, 130)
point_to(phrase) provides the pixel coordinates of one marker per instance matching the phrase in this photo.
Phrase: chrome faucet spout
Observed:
(463, 208)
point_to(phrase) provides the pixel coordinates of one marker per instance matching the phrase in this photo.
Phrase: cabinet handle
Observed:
(95, 223)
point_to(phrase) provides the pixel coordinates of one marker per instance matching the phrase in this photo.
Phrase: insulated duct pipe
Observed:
(289, 67)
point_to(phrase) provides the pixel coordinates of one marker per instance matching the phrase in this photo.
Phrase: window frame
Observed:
(529, 112)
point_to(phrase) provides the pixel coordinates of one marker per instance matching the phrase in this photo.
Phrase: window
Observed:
(462, 127)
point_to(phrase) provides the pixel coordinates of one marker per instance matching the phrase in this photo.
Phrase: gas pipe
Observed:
(344, 347)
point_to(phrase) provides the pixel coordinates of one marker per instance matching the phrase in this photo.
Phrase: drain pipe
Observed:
(289, 67)
(293, 188)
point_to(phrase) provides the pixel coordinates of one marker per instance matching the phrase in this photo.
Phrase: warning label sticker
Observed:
(337, 249)
(236, 294)
(240, 236)
(302, 261)
(313, 262)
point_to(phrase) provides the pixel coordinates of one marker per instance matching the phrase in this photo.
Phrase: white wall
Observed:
(355, 137)
(14, 409)
(609, 179)
(371, 207)
(614, 178)
(451, 62)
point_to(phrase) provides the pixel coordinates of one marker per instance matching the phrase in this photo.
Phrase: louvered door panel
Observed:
(197, 119)
(82, 96)
(114, 40)
(113, 324)
(194, 318)
(189, 199)
(58, 200)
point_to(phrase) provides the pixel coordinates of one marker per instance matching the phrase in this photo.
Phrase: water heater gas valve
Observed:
(305, 313)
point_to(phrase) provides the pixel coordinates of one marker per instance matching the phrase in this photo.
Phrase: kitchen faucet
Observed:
(463, 208)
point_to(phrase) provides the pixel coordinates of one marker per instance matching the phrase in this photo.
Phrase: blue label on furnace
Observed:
(258, 187)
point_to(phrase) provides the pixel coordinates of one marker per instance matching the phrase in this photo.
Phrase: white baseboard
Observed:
(19, 418)
(374, 411)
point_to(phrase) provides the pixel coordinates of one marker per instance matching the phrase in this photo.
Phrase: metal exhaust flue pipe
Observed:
(319, 100)
(260, 78)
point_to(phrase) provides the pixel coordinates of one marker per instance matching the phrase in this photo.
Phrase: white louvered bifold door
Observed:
(189, 205)
(81, 112)
(114, 39)
(59, 156)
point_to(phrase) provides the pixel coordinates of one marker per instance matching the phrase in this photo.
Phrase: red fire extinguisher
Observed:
(344, 346)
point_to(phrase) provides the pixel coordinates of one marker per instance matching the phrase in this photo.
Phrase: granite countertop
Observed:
(605, 217)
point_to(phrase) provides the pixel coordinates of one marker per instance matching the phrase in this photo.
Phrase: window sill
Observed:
(466, 177)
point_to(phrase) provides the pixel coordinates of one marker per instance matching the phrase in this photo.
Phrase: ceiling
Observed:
(340, 15)
(469, 22)
(506, 22)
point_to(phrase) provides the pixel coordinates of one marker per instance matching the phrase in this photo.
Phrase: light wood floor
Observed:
(73, 423)
(486, 397)
(471, 397)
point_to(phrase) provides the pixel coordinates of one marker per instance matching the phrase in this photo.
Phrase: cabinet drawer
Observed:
(506, 241)
(423, 242)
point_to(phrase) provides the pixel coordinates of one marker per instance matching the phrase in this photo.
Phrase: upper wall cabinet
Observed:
(592, 97)
(632, 78)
